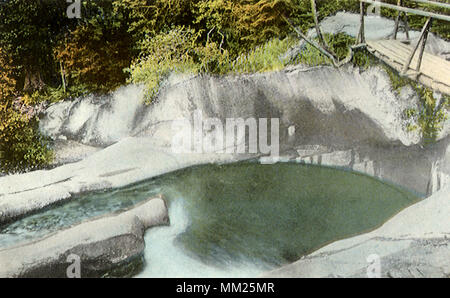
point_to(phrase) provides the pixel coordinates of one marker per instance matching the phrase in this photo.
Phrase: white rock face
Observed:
(344, 105)
(353, 118)
(97, 121)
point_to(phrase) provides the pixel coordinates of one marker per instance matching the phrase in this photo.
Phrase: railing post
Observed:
(405, 24)
(423, 44)
(316, 23)
(361, 35)
(397, 19)
(397, 22)
(422, 38)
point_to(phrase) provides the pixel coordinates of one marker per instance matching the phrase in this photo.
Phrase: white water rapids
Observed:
(165, 258)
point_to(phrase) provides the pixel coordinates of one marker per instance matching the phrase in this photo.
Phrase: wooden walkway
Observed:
(434, 71)
(408, 60)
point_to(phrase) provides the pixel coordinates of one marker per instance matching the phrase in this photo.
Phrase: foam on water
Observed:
(162, 242)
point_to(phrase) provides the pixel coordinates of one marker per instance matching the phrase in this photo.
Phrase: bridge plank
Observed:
(400, 52)
(434, 67)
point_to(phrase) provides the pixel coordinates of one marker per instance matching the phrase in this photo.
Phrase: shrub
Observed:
(177, 51)
(94, 56)
(21, 145)
(266, 57)
(431, 117)
(339, 44)
(161, 55)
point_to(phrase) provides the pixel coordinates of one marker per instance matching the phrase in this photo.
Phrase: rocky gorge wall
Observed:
(344, 118)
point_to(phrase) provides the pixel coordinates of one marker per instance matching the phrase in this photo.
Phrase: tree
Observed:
(150, 17)
(260, 20)
(28, 32)
(21, 145)
(96, 52)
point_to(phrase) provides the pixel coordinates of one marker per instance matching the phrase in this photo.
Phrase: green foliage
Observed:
(216, 19)
(177, 51)
(339, 44)
(416, 22)
(211, 58)
(397, 81)
(95, 53)
(327, 8)
(27, 33)
(151, 17)
(57, 94)
(267, 57)
(22, 147)
(7, 80)
(431, 117)
(410, 113)
(260, 20)
(161, 55)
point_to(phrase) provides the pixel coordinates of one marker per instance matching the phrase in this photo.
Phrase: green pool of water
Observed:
(229, 217)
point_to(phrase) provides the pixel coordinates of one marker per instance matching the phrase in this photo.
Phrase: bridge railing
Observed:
(421, 42)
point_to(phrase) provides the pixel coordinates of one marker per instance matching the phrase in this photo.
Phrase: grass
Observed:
(268, 57)
(339, 44)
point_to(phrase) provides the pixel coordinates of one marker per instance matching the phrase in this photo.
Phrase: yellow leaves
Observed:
(95, 56)
(216, 13)
(259, 20)
(20, 145)
(7, 82)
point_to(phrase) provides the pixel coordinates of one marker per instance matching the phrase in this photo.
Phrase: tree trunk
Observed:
(33, 81)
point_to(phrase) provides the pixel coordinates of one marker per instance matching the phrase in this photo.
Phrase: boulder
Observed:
(111, 245)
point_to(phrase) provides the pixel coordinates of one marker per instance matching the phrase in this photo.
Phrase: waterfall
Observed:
(166, 258)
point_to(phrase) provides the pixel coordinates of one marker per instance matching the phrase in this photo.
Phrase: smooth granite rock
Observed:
(107, 246)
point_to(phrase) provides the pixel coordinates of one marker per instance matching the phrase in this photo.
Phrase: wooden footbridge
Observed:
(407, 58)
(411, 60)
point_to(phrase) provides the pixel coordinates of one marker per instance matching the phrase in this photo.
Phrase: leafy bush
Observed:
(7, 80)
(339, 44)
(161, 55)
(431, 117)
(57, 94)
(177, 51)
(21, 145)
(267, 57)
(95, 53)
